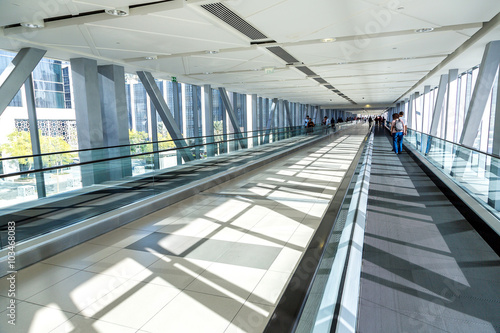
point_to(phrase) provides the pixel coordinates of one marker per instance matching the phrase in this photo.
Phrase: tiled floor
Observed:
(216, 262)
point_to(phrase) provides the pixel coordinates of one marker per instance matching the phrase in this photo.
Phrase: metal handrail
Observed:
(119, 157)
(135, 144)
(457, 144)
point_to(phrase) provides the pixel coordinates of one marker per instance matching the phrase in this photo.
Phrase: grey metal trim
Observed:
(35, 138)
(154, 93)
(16, 73)
(232, 116)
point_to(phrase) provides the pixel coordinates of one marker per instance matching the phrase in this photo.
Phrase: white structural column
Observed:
(494, 181)
(270, 120)
(196, 95)
(484, 83)
(452, 77)
(482, 89)
(209, 119)
(88, 118)
(232, 116)
(16, 73)
(166, 116)
(281, 119)
(438, 107)
(255, 121)
(115, 117)
(409, 115)
(176, 89)
(35, 138)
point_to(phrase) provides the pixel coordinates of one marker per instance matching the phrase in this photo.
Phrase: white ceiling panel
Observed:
(377, 57)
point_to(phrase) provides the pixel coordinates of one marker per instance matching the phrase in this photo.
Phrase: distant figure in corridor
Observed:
(397, 129)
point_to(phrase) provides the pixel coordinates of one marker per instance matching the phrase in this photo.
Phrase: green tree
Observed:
(18, 144)
(139, 137)
(50, 144)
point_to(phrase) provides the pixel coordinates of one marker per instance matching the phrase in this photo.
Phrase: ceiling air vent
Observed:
(306, 70)
(320, 80)
(280, 52)
(231, 18)
(329, 86)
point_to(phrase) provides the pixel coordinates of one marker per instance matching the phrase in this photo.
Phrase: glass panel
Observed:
(474, 171)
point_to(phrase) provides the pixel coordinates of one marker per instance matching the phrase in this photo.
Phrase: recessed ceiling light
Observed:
(34, 24)
(211, 52)
(151, 57)
(328, 40)
(401, 8)
(207, 73)
(123, 11)
(424, 30)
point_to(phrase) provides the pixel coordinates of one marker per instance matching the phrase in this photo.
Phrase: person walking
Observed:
(403, 119)
(370, 122)
(397, 130)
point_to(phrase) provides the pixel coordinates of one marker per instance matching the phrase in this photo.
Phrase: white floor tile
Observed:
(125, 263)
(35, 278)
(286, 261)
(121, 237)
(135, 303)
(78, 292)
(81, 256)
(193, 312)
(83, 324)
(175, 272)
(32, 318)
(227, 280)
(252, 318)
(270, 288)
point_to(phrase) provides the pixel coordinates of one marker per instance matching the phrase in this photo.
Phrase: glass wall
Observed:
(456, 102)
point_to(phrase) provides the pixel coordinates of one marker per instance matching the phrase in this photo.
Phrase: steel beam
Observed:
(16, 73)
(35, 137)
(232, 117)
(161, 106)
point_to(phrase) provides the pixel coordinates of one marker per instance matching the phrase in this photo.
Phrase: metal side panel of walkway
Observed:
(425, 269)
